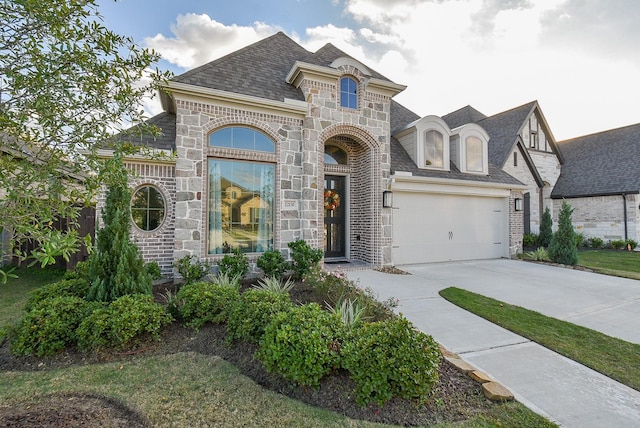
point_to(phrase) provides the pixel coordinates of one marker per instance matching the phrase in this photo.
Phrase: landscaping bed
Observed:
(455, 397)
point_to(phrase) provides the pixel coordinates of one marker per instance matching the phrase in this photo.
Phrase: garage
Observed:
(436, 227)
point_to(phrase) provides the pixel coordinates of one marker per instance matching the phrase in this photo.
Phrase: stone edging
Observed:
(493, 390)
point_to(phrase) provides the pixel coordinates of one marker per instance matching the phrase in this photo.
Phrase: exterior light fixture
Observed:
(518, 204)
(387, 199)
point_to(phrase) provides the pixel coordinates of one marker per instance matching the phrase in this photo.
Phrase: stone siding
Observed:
(516, 225)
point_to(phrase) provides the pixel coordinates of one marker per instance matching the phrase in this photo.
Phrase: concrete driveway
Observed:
(548, 383)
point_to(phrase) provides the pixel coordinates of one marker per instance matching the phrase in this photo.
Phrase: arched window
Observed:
(147, 208)
(242, 138)
(434, 149)
(241, 196)
(475, 161)
(348, 93)
(334, 155)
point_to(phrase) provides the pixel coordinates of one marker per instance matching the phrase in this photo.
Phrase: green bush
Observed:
(529, 240)
(618, 244)
(563, 245)
(581, 241)
(67, 287)
(595, 242)
(546, 225)
(391, 359)
(153, 269)
(253, 311)
(51, 325)
(272, 263)
(631, 243)
(124, 320)
(275, 284)
(81, 270)
(302, 344)
(304, 257)
(234, 265)
(540, 254)
(203, 302)
(191, 269)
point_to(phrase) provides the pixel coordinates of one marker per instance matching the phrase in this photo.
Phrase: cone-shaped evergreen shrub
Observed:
(115, 267)
(546, 234)
(563, 245)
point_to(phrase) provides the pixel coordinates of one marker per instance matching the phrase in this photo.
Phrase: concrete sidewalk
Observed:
(554, 386)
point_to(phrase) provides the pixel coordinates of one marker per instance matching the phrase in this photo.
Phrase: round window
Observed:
(147, 208)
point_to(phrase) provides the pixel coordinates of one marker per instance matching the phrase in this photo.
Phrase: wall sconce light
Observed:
(518, 204)
(387, 199)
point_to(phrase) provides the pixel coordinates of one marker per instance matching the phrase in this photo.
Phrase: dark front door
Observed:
(334, 216)
(527, 213)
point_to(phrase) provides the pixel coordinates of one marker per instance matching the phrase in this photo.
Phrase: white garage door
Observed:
(436, 227)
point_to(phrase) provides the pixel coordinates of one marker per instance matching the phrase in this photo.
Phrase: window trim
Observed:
(147, 185)
(347, 95)
(443, 149)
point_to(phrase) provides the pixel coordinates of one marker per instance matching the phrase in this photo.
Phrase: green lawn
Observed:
(610, 356)
(611, 262)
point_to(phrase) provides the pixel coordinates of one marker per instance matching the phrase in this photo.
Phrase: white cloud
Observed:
(199, 39)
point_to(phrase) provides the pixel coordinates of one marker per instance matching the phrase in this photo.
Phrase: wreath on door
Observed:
(331, 200)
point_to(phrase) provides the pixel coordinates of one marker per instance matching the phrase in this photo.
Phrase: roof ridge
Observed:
(593, 134)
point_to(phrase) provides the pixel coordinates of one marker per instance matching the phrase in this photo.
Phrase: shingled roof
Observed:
(329, 53)
(605, 163)
(463, 116)
(165, 140)
(257, 70)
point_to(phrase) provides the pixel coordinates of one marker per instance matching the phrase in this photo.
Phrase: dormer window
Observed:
(433, 149)
(475, 158)
(348, 93)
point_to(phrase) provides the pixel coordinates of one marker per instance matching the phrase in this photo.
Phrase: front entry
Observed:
(334, 216)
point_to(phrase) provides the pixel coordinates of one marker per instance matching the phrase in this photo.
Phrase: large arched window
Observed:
(348, 93)
(241, 194)
(334, 155)
(148, 208)
(475, 158)
(434, 149)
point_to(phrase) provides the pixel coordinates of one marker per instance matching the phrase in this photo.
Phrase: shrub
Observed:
(67, 287)
(540, 254)
(225, 280)
(580, 240)
(391, 359)
(302, 344)
(50, 325)
(253, 311)
(235, 265)
(275, 285)
(350, 311)
(529, 240)
(618, 244)
(153, 269)
(304, 257)
(630, 243)
(81, 270)
(191, 269)
(126, 318)
(563, 245)
(115, 267)
(203, 302)
(595, 242)
(546, 225)
(272, 263)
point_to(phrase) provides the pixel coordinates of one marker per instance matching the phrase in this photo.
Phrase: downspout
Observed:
(626, 228)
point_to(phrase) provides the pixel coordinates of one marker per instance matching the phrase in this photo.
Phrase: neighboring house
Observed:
(274, 143)
(600, 179)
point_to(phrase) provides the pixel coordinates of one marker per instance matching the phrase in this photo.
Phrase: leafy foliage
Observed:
(630, 243)
(253, 312)
(66, 84)
(275, 285)
(350, 311)
(539, 254)
(153, 269)
(595, 242)
(390, 359)
(65, 287)
(191, 269)
(563, 245)
(125, 319)
(50, 325)
(234, 265)
(272, 263)
(618, 244)
(529, 240)
(116, 268)
(302, 344)
(304, 257)
(203, 302)
(546, 225)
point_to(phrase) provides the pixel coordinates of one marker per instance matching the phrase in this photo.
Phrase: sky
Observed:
(579, 58)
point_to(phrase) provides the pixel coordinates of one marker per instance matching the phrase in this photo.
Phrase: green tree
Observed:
(546, 233)
(563, 244)
(115, 267)
(67, 84)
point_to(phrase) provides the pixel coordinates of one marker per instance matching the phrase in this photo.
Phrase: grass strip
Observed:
(625, 264)
(615, 358)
